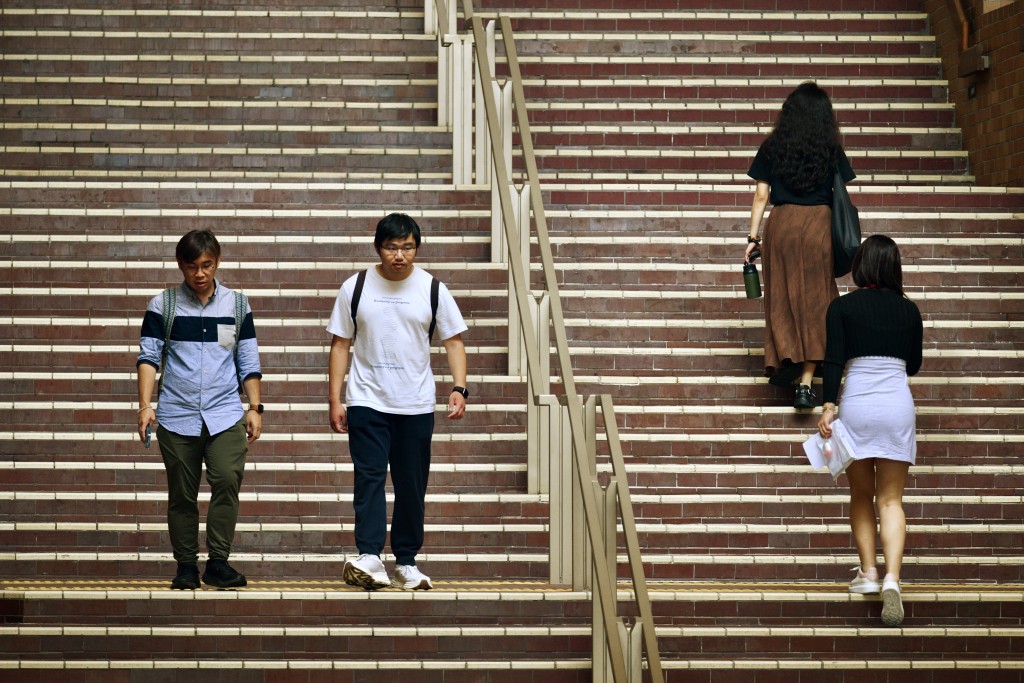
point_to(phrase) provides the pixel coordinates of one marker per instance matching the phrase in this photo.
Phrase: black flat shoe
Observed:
(805, 398)
(187, 578)
(786, 375)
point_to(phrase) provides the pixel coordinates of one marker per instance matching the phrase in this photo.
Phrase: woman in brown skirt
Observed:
(793, 169)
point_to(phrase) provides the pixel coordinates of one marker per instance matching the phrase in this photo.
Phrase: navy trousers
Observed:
(377, 440)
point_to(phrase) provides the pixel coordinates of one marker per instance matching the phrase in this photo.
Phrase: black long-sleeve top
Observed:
(870, 322)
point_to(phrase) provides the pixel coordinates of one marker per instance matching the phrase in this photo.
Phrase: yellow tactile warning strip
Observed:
(661, 589)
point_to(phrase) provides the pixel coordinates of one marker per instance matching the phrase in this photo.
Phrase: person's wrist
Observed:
(145, 408)
(753, 239)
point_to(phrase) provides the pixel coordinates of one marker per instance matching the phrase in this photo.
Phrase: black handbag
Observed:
(845, 228)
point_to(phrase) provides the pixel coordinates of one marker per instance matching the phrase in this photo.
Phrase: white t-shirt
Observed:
(391, 355)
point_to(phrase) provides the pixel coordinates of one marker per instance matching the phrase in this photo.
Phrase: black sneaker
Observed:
(187, 578)
(805, 398)
(220, 574)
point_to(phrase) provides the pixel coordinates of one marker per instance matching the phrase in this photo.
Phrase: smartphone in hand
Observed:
(149, 435)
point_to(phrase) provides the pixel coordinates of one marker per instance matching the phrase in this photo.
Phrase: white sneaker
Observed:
(892, 605)
(408, 577)
(863, 585)
(366, 572)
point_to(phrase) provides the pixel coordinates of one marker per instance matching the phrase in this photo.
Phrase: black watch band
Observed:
(462, 390)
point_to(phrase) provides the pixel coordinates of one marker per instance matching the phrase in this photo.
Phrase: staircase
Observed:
(289, 129)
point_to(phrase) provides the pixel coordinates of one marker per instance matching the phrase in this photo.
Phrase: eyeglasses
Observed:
(192, 268)
(392, 249)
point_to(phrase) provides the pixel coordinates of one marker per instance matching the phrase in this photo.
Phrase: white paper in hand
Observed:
(834, 453)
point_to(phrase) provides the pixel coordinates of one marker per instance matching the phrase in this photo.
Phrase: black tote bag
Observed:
(845, 228)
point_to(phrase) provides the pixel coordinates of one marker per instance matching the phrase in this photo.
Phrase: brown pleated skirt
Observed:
(798, 284)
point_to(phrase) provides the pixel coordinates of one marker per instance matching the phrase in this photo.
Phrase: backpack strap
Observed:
(435, 293)
(170, 303)
(356, 295)
(241, 303)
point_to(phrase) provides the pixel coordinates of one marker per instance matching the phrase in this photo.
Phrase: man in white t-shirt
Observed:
(390, 396)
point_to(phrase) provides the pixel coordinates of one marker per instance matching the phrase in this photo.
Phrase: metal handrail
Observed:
(965, 27)
(604, 579)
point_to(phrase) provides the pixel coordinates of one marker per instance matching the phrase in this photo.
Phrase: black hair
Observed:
(395, 226)
(877, 264)
(194, 244)
(804, 144)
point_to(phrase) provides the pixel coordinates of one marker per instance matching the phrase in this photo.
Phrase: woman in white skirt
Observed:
(875, 332)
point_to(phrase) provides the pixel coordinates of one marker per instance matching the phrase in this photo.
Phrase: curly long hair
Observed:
(804, 144)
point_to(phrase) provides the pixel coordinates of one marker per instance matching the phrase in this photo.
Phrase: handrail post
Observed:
(482, 148)
(462, 110)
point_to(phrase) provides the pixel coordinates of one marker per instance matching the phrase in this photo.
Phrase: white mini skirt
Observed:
(877, 408)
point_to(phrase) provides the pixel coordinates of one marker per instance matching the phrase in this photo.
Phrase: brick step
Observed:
(984, 414)
(594, 137)
(642, 402)
(328, 272)
(69, 471)
(263, 566)
(206, 197)
(236, 156)
(59, 469)
(522, 20)
(575, 7)
(446, 476)
(419, 199)
(564, 160)
(584, 47)
(232, 43)
(179, 65)
(685, 19)
(363, 20)
(677, 507)
(313, 112)
(559, 160)
(725, 112)
(696, 87)
(962, 544)
(279, 90)
(419, 136)
(989, 330)
(833, 72)
(636, 305)
(754, 448)
(225, 5)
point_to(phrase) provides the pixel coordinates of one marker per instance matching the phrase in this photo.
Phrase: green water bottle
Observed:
(751, 280)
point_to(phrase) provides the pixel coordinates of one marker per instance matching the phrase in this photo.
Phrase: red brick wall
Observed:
(993, 120)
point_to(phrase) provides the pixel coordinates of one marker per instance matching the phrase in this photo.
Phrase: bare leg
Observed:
(808, 374)
(891, 477)
(861, 475)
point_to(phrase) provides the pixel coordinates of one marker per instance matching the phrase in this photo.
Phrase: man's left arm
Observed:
(456, 351)
(253, 419)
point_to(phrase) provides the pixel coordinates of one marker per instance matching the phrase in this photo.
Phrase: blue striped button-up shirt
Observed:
(200, 380)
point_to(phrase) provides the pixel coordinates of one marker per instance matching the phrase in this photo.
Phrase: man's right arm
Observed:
(336, 371)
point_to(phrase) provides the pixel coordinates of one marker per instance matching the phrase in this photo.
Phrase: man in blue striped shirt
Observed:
(202, 335)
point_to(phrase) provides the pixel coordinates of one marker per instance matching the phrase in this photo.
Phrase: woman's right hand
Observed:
(828, 413)
(750, 248)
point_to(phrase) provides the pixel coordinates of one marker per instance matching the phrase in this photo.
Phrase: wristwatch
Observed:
(258, 408)
(462, 390)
